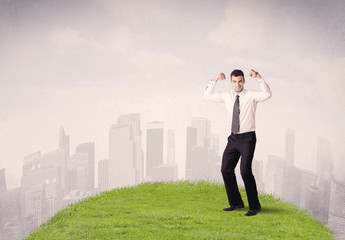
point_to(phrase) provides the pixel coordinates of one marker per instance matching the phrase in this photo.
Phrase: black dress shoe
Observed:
(231, 208)
(254, 211)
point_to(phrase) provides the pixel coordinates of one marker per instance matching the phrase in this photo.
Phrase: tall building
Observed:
(308, 179)
(289, 147)
(203, 127)
(202, 152)
(133, 120)
(154, 147)
(199, 163)
(3, 187)
(41, 186)
(89, 149)
(10, 219)
(191, 143)
(292, 184)
(336, 218)
(324, 160)
(126, 159)
(121, 156)
(63, 146)
(171, 146)
(78, 173)
(103, 175)
(275, 175)
(324, 186)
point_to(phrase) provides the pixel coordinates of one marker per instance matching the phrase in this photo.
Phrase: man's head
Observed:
(237, 80)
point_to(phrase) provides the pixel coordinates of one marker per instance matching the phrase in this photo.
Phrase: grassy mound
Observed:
(178, 210)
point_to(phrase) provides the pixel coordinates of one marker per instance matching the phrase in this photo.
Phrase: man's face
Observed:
(237, 83)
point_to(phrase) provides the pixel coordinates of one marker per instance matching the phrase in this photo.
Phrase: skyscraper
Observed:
(103, 175)
(63, 146)
(336, 218)
(80, 170)
(154, 147)
(308, 179)
(203, 127)
(133, 120)
(191, 143)
(121, 156)
(275, 175)
(126, 160)
(171, 146)
(89, 149)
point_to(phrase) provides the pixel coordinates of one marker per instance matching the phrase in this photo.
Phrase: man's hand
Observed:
(254, 74)
(220, 76)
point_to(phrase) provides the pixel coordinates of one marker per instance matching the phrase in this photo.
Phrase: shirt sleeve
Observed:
(209, 93)
(265, 92)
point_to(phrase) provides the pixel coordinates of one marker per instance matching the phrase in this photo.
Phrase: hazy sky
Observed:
(81, 64)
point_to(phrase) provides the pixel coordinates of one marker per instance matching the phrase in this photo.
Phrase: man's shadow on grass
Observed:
(273, 210)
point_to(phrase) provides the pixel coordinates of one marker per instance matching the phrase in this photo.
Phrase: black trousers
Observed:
(240, 145)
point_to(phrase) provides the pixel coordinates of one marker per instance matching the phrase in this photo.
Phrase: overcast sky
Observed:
(81, 64)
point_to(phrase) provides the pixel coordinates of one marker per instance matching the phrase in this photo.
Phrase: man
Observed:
(241, 106)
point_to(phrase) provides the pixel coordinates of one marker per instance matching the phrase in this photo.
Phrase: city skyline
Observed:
(53, 180)
(57, 70)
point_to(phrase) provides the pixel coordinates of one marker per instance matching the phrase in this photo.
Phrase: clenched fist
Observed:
(220, 76)
(254, 74)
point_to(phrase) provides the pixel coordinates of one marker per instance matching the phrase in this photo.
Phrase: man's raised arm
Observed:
(265, 92)
(209, 93)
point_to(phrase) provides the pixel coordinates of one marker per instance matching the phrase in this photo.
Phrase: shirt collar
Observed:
(242, 93)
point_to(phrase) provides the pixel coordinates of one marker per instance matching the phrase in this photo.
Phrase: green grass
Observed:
(178, 210)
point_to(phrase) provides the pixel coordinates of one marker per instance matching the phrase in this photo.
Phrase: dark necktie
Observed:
(235, 128)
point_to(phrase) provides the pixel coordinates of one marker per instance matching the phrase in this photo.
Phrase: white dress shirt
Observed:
(248, 101)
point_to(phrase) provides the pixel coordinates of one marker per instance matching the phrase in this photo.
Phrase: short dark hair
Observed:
(236, 73)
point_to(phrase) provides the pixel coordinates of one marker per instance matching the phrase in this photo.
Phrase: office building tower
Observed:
(171, 146)
(126, 160)
(292, 184)
(63, 146)
(275, 175)
(10, 214)
(214, 166)
(203, 127)
(133, 120)
(89, 149)
(191, 143)
(103, 175)
(308, 179)
(154, 147)
(199, 163)
(336, 217)
(78, 173)
(121, 156)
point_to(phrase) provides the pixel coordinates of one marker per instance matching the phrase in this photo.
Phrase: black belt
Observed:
(243, 135)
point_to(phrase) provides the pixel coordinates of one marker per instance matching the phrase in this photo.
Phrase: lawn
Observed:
(178, 210)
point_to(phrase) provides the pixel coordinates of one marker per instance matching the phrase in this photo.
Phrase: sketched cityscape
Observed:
(53, 180)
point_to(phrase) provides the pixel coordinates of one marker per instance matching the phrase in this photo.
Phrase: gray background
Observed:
(81, 64)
